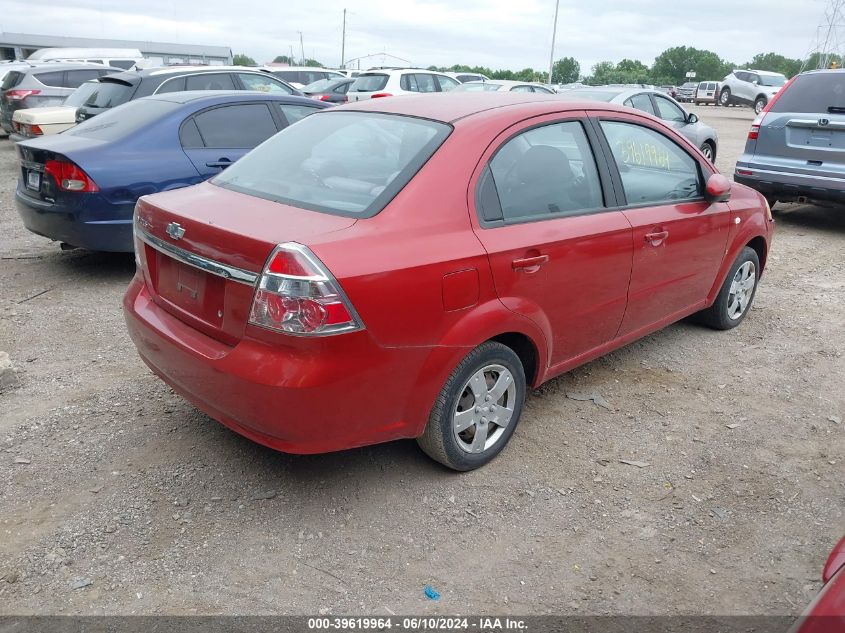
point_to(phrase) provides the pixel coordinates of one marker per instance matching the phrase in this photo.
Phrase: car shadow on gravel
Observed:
(823, 218)
(80, 263)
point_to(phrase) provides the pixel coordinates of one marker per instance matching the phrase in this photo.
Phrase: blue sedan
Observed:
(80, 187)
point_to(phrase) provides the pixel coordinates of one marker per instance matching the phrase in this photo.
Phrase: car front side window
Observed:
(652, 167)
(547, 171)
(668, 111)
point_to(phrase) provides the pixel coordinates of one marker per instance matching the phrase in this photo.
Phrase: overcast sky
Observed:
(511, 34)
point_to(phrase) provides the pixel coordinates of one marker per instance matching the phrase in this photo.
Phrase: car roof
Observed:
(449, 107)
(190, 96)
(314, 68)
(66, 66)
(759, 72)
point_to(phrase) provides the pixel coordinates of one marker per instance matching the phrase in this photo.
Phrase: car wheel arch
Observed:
(753, 237)
(489, 322)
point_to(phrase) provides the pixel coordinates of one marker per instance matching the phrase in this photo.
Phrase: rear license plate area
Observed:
(191, 290)
(33, 180)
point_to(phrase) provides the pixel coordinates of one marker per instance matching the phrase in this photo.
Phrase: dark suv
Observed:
(43, 85)
(119, 88)
(796, 147)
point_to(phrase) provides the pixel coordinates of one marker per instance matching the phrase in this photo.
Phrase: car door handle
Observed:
(656, 238)
(222, 163)
(530, 264)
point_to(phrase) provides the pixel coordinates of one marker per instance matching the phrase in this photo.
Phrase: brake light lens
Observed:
(754, 132)
(70, 177)
(324, 97)
(298, 295)
(381, 94)
(19, 95)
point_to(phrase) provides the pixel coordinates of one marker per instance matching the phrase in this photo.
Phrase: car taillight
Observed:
(32, 130)
(324, 97)
(19, 95)
(70, 177)
(381, 94)
(346, 98)
(754, 132)
(298, 295)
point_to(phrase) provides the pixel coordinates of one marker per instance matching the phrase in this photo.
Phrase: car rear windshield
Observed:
(815, 93)
(116, 124)
(12, 79)
(104, 94)
(342, 163)
(369, 83)
(320, 85)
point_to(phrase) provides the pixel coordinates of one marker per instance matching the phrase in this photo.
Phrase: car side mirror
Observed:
(718, 189)
(692, 118)
(754, 81)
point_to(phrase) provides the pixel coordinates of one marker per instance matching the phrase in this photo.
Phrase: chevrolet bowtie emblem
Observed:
(175, 230)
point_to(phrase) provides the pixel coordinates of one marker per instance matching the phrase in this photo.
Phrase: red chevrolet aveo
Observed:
(407, 268)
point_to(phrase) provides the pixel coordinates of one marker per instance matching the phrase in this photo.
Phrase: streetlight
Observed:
(554, 33)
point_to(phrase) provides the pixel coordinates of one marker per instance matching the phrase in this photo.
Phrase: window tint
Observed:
(189, 135)
(210, 81)
(53, 79)
(294, 113)
(668, 111)
(521, 89)
(815, 93)
(369, 83)
(545, 171)
(253, 81)
(753, 77)
(640, 102)
(465, 78)
(12, 79)
(408, 82)
(344, 163)
(236, 126)
(342, 88)
(447, 83)
(288, 75)
(652, 167)
(100, 94)
(76, 78)
(177, 84)
(772, 80)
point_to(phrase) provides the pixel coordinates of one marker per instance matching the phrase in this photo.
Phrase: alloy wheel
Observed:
(742, 288)
(485, 408)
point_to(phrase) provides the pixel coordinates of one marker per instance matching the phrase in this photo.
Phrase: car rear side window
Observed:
(240, 126)
(12, 79)
(652, 167)
(75, 78)
(189, 135)
(54, 79)
(640, 102)
(548, 171)
(369, 83)
(447, 83)
(263, 83)
(815, 93)
(210, 81)
(177, 84)
(342, 163)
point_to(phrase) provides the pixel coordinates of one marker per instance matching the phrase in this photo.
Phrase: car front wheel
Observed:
(759, 104)
(736, 294)
(725, 97)
(477, 410)
(708, 151)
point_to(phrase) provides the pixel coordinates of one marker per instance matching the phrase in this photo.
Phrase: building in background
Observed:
(21, 45)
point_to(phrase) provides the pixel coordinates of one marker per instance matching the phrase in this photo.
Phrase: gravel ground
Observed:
(117, 497)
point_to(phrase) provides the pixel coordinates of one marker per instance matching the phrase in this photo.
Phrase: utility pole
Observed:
(290, 63)
(554, 33)
(343, 43)
(302, 49)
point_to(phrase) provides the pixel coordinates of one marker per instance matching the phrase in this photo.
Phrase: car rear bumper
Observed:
(791, 186)
(307, 397)
(65, 225)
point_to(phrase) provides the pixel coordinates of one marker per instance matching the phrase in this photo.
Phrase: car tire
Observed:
(759, 104)
(736, 295)
(725, 97)
(455, 442)
(709, 151)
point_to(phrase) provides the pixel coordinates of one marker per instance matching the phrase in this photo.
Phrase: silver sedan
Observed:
(657, 104)
(503, 85)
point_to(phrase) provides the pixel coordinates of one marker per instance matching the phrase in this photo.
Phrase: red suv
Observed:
(408, 268)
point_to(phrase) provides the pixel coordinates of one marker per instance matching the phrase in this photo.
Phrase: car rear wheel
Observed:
(736, 294)
(759, 104)
(725, 97)
(709, 151)
(477, 410)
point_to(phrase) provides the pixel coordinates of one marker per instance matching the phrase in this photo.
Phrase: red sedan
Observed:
(408, 268)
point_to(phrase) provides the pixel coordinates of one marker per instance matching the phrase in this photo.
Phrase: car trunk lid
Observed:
(203, 248)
